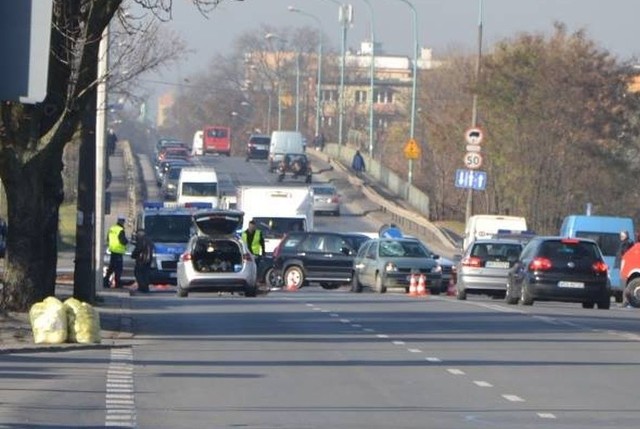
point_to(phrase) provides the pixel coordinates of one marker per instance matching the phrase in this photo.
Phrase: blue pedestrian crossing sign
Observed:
(471, 179)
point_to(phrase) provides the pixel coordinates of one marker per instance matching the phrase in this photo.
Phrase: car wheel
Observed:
(356, 286)
(182, 293)
(588, 305)
(633, 292)
(272, 279)
(251, 292)
(525, 296)
(508, 296)
(380, 287)
(461, 294)
(618, 297)
(293, 277)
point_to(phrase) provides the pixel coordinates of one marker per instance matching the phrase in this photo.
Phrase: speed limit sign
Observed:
(473, 160)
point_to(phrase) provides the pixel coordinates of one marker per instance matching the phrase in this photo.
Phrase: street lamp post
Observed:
(415, 79)
(298, 91)
(372, 71)
(319, 78)
(270, 36)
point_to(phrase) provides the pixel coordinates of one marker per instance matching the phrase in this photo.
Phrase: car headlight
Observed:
(171, 186)
(436, 269)
(390, 266)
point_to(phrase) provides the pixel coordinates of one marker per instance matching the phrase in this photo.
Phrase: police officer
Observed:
(117, 244)
(254, 240)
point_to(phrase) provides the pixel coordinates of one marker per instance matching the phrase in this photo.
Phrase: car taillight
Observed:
(185, 257)
(600, 267)
(540, 264)
(472, 261)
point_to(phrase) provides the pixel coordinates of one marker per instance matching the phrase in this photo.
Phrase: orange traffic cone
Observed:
(422, 286)
(292, 286)
(413, 285)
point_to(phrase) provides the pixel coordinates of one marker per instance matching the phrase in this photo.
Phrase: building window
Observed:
(383, 96)
(361, 97)
(329, 95)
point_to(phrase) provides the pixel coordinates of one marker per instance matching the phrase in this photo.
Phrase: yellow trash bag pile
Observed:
(55, 322)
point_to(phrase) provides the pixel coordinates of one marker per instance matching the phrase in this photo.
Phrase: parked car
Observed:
(258, 146)
(215, 259)
(384, 263)
(326, 199)
(484, 267)
(326, 258)
(560, 269)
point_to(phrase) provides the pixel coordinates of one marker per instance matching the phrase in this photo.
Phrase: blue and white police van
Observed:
(169, 225)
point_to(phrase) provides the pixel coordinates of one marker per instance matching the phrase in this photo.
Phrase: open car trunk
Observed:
(216, 255)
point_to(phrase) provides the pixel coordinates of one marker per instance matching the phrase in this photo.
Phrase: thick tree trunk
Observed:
(34, 194)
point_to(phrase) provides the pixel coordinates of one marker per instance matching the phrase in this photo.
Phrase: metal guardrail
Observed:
(408, 220)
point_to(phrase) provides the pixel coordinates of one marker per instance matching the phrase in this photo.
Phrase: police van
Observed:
(169, 225)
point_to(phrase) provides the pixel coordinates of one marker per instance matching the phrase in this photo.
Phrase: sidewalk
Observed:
(15, 329)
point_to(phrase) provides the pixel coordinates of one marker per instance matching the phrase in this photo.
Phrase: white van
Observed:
(196, 146)
(283, 142)
(486, 226)
(198, 184)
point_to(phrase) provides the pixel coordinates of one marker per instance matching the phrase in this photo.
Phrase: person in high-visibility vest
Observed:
(254, 240)
(117, 244)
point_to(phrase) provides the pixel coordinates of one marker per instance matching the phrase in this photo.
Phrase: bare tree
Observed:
(33, 137)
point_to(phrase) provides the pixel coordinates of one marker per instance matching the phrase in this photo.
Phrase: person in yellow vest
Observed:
(117, 244)
(254, 240)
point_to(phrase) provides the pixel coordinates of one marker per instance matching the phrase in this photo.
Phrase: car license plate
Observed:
(496, 264)
(261, 147)
(573, 285)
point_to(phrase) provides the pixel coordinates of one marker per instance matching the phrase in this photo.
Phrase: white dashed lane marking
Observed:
(513, 398)
(482, 383)
(455, 371)
(546, 415)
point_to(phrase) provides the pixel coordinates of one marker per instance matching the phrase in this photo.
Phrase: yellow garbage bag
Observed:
(83, 322)
(48, 319)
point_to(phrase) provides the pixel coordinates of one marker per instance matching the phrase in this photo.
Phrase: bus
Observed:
(217, 139)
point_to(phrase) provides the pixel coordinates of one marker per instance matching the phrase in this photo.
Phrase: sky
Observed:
(442, 24)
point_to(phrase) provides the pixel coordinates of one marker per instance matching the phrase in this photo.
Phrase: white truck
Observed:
(276, 210)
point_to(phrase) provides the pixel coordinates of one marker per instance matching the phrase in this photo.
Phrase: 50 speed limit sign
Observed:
(472, 160)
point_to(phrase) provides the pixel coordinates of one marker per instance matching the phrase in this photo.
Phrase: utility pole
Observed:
(474, 109)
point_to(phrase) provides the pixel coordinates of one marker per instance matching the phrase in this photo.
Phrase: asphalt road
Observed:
(332, 359)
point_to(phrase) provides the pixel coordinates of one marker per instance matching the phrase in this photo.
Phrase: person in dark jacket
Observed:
(117, 244)
(143, 254)
(358, 163)
(625, 244)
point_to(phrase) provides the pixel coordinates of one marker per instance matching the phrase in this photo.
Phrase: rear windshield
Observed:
(168, 228)
(261, 140)
(199, 189)
(496, 251)
(568, 250)
(217, 133)
(277, 227)
(323, 191)
(609, 242)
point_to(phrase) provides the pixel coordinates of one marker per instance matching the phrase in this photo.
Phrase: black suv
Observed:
(559, 269)
(319, 257)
